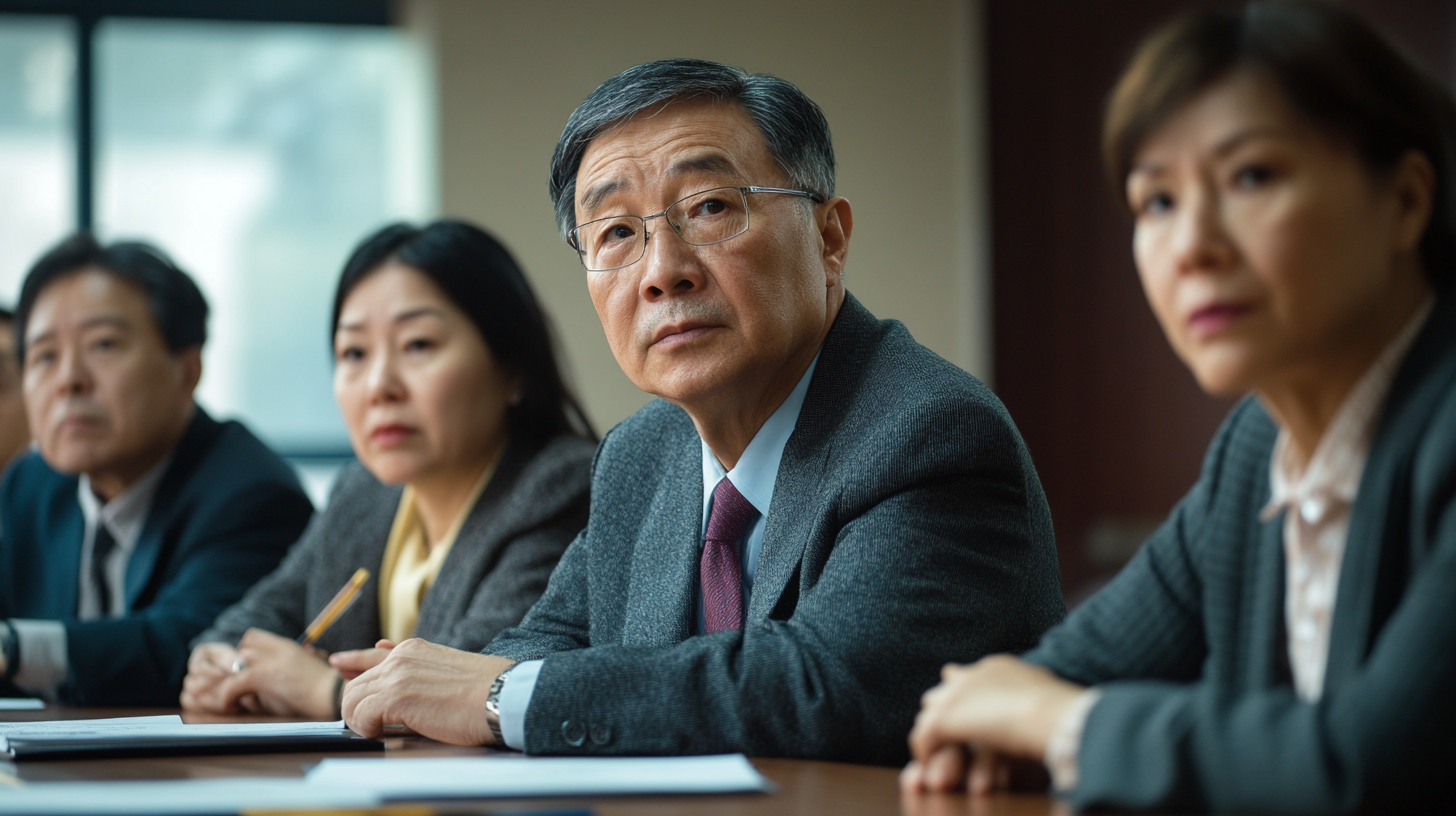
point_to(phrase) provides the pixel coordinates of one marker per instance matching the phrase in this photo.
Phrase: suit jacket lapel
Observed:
(65, 568)
(200, 434)
(436, 610)
(662, 591)
(1376, 560)
(1265, 565)
(798, 498)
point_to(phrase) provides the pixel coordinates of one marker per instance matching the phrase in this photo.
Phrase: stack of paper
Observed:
(124, 729)
(114, 725)
(168, 736)
(519, 777)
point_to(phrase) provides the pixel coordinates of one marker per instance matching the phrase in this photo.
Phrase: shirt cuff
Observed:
(515, 699)
(1066, 742)
(43, 661)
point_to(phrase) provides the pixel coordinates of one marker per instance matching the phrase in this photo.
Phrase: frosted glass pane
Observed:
(258, 155)
(37, 150)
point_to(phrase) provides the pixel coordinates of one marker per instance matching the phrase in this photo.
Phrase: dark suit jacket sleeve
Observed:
(840, 677)
(277, 603)
(1381, 740)
(141, 659)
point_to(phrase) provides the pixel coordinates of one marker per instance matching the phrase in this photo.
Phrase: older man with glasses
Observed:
(817, 514)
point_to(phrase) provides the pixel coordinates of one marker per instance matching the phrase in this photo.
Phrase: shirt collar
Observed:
(126, 514)
(1333, 472)
(758, 468)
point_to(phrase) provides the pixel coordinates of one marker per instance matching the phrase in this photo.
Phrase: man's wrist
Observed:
(492, 704)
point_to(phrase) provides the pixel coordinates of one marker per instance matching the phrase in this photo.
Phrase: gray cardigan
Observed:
(534, 505)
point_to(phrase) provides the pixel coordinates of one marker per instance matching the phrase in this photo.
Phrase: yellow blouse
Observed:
(409, 567)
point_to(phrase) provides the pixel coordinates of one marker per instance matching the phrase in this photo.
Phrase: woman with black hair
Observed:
(1286, 642)
(472, 478)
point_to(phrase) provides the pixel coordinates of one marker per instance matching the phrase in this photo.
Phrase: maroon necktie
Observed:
(719, 570)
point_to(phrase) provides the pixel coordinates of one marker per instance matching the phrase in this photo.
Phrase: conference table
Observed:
(802, 787)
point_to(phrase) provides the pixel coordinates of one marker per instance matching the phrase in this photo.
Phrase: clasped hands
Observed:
(269, 674)
(434, 690)
(981, 723)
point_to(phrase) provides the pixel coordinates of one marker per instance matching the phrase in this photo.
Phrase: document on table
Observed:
(160, 727)
(188, 796)
(21, 704)
(489, 777)
(114, 724)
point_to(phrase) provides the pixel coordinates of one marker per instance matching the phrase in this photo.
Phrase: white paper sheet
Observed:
(488, 777)
(184, 796)
(166, 727)
(21, 704)
(33, 727)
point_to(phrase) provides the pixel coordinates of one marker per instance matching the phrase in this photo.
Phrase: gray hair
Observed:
(793, 126)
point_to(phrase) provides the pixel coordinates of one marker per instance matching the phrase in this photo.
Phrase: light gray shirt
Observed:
(43, 660)
(754, 475)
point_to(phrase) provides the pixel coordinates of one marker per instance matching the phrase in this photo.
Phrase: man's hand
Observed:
(981, 718)
(354, 663)
(284, 678)
(208, 668)
(436, 691)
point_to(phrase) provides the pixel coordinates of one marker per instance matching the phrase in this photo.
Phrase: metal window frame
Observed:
(87, 13)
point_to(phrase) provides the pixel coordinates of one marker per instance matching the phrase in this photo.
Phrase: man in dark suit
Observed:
(818, 514)
(140, 518)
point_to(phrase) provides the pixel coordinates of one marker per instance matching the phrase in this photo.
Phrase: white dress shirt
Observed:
(43, 659)
(754, 475)
(1318, 497)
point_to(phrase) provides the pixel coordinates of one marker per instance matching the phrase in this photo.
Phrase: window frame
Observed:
(85, 14)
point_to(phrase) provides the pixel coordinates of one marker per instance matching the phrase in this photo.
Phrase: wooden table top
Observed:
(804, 788)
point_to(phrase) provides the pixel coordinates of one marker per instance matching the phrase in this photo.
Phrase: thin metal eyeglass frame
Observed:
(573, 237)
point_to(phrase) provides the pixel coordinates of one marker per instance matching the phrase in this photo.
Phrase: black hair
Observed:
(176, 304)
(481, 278)
(793, 127)
(1333, 68)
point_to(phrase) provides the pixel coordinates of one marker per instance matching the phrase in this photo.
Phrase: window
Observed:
(37, 141)
(256, 153)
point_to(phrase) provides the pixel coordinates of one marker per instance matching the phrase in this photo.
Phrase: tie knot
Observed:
(731, 514)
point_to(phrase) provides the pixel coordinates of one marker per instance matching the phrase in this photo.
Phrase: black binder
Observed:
(45, 748)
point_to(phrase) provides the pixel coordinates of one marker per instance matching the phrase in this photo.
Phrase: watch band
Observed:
(492, 705)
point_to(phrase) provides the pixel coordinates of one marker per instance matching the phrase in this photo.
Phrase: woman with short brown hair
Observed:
(1286, 642)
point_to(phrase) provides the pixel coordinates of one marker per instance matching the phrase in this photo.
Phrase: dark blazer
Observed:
(907, 529)
(498, 566)
(1198, 708)
(224, 514)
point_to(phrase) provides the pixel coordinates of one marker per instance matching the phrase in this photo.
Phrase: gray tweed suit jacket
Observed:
(907, 529)
(534, 505)
(1188, 643)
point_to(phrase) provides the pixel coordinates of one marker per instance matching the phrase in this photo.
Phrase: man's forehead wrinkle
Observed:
(599, 191)
(715, 163)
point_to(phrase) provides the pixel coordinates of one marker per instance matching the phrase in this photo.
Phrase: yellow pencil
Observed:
(335, 608)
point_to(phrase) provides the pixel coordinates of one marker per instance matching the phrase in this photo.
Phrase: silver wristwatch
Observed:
(492, 705)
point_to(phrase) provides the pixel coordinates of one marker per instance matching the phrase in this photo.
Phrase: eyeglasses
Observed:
(710, 217)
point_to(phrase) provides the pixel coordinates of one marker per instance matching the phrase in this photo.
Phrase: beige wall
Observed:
(901, 84)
